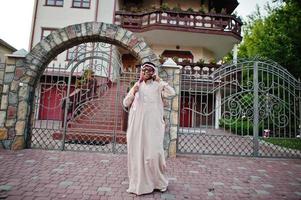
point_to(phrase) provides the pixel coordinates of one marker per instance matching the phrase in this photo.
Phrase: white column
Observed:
(235, 54)
(218, 109)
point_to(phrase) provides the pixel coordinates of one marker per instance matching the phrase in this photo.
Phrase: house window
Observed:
(178, 56)
(54, 3)
(46, 32)
(76, 52)
(81, 3)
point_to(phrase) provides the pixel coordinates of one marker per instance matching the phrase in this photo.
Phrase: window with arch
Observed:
(81, 3)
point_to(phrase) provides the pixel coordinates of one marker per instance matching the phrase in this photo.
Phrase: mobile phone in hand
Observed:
(154, 77)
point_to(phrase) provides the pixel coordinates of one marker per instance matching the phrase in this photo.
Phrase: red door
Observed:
(50, 103)
(186, 112)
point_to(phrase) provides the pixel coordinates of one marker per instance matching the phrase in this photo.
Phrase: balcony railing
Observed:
(195, 70)
(187, 21)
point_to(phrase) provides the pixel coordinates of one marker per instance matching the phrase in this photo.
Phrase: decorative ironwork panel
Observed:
(279, 111)
(248, 108)
(48, 110)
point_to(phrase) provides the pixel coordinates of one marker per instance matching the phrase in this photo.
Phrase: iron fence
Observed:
(250, 108)
(78, 107)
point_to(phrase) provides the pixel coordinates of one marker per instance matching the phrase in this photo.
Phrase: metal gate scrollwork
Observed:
(78, 106)
(247, 108)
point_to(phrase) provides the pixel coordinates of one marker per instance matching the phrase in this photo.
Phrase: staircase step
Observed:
(91, 116)
(101, 114)
(105, 121)
(94, 131)
(91, 137)
(99, 106)
(93, 126)
(99, 119)
(104, 114)
(102, 110)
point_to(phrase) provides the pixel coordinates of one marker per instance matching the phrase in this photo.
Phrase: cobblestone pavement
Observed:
(41, 174)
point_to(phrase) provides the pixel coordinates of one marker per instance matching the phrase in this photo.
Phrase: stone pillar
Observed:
(218, 108)
(14, 104)
(170, 72)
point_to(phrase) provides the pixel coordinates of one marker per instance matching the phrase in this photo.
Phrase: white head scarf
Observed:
(149, 64)
(152, 65)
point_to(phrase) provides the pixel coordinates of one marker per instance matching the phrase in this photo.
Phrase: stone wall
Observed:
(170, 72)
(14, 104)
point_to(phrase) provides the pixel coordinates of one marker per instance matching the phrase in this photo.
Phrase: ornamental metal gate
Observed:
(252, 108)
(79, 106)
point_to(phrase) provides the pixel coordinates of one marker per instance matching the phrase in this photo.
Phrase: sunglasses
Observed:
(148, 69)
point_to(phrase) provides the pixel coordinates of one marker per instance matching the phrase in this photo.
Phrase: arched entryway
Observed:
(29, 70)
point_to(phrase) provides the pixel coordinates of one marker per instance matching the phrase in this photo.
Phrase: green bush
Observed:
(177, 8)
(239, 126)
(165, 6)
(201, 62)
(292, 143)
(190, 10)
(203, 10)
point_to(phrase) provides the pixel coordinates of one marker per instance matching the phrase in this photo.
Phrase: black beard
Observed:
(146, 79)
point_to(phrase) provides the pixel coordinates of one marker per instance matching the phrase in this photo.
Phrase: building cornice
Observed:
(2, 42)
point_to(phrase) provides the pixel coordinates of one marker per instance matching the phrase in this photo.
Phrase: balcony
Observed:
(210, 23)
(191, 69)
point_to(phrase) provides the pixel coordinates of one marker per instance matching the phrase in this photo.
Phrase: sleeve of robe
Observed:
(166, 90)
(128, 100)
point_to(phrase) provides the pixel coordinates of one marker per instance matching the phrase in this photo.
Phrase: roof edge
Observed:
(7, 45)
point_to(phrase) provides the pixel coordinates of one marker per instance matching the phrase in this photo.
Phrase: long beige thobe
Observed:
(145, 134)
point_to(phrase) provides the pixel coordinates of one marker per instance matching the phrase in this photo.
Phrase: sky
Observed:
(16, 17)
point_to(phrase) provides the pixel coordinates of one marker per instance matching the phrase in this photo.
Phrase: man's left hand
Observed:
(157, 78)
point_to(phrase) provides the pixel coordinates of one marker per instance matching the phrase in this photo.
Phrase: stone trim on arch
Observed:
(19, 83)
(72, 35)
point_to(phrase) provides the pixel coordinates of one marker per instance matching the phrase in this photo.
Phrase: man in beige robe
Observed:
(145, 133)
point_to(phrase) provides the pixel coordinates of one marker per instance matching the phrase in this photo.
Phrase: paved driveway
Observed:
(40, 174)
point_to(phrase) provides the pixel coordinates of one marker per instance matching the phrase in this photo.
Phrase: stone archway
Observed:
(20, 83)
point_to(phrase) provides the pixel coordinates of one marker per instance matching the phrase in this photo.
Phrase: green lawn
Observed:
(293, 143)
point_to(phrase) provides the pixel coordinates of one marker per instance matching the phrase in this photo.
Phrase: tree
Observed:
(276, 36)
